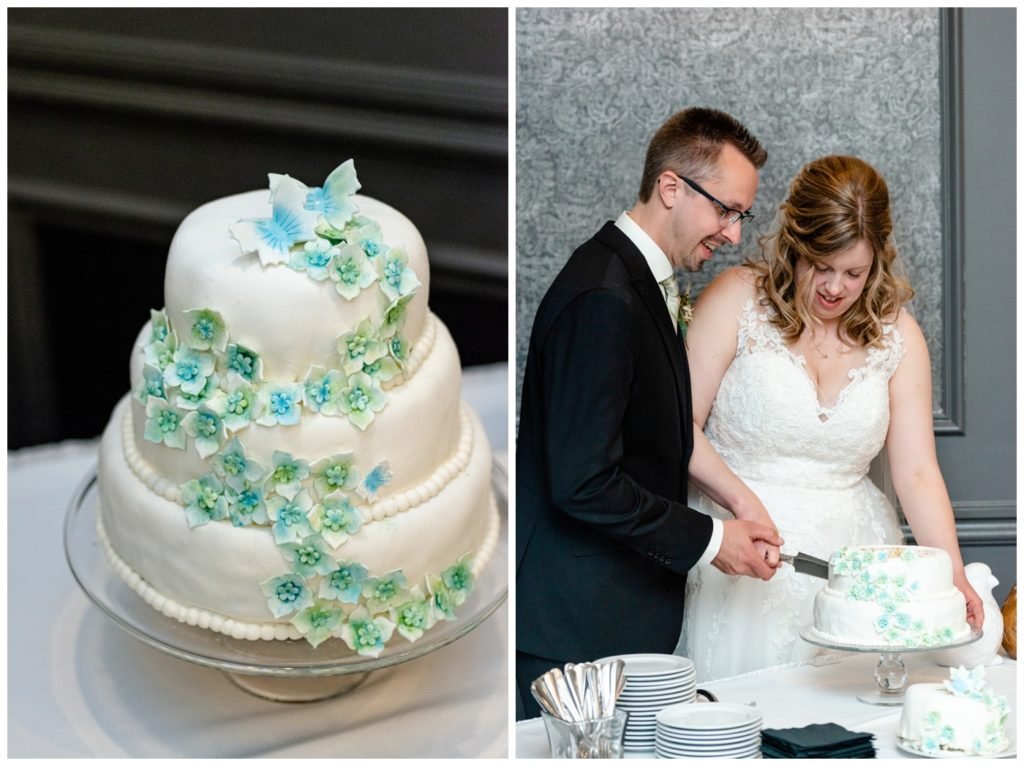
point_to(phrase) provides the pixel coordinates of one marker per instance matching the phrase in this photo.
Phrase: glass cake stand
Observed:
(890, 673)
(286, 671)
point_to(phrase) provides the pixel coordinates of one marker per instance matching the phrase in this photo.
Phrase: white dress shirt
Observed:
(661, 268)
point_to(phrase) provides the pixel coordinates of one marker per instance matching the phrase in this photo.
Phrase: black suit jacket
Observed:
(603, 536)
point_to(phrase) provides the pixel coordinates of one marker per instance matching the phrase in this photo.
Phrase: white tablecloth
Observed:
(825, 692)
(79, 686)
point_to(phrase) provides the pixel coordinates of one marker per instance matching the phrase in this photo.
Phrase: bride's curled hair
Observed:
(833, 203)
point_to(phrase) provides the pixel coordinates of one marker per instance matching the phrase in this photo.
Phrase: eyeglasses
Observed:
(729, 216)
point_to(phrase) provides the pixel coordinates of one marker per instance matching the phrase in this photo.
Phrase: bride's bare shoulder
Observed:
(733, 286)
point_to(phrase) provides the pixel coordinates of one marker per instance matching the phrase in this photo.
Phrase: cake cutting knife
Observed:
(805, 564)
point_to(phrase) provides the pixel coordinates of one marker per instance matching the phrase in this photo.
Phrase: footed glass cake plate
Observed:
(910, 747)
(290, 670)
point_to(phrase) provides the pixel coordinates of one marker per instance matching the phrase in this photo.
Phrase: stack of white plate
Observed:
(653, 682)
(714, 730)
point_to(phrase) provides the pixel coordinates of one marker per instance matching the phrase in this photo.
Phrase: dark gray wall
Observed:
(120, 121)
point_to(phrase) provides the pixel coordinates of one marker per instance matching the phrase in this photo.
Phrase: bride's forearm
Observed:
(713, 477)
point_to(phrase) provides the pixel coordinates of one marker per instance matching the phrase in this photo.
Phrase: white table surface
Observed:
(826, 692)
(79, 686)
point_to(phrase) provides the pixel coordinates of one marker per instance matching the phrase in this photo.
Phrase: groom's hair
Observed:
(689, 143)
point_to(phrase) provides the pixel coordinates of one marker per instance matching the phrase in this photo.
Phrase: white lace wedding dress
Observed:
(808, 463)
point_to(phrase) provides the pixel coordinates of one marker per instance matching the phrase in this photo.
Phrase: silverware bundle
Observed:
(582, 692)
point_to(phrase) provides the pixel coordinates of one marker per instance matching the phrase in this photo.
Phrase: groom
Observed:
(604, 538)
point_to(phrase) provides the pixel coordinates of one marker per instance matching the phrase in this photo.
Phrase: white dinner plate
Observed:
(662, 700)
(700, 735)
(712, 716)
(745, 752)
(732, 739)
(638, 665)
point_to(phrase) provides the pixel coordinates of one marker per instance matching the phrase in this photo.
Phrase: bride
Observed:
(804, 364)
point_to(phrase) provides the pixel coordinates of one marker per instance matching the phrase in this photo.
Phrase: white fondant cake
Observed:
(294, 460)
(890, 595)
(958, 715)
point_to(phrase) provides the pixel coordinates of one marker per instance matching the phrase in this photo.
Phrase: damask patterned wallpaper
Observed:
(594, 84)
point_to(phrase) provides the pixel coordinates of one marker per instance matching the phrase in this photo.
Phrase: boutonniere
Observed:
(685, 311)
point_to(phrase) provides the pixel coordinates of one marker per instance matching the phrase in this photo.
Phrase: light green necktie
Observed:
(671, 289)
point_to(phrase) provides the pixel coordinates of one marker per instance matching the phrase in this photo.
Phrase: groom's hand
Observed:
(741, 553)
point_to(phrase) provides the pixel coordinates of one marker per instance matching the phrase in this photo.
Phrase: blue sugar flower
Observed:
(206, 331)
(159, 354)
(272, 238)
(413, 616)
(382, 593)
(396, 278)
(351, 271)
(399, 350)
(375, 481)
(336, 519)
(189, 370)
(882, 623)
(240, 404)
(366, 635)
(394, 316)
(208, 395)
(963, 682)
(361, 399)
(441, 600)
(287, 474)
(204, 500)
(290, 518)
(359, 347)
(160, 328)
(319, 621)
(280, 404)
(163, 424)
(367, 234)
(334, 473)
(322, 388)
(236, 467)
(382, 370)
(243, 362)
(246, 505)
(334, 200)
(459, 579)
(286, 594)
(344, 584)
(315, 258)
(152, 384)
(309, 557)
(207, 428)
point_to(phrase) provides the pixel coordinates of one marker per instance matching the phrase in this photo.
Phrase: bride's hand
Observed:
(975, 610)
(755, 511)
(770, 553)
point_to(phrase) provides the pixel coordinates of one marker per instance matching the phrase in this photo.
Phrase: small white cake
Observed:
(958, 715)
(890, 595)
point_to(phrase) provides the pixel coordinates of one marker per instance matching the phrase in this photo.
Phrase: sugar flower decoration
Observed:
(315, 258)
(189, 370)
(382, 593)
(240, 404)
(334, 199)
(206, 331)
(287, 474)
(208, 394)
(334, 473)
(309, 557)
(378, 478)
(207, 429)
(152, 384)
(160, 353)
(335, 519)
(280, 404)
(394, 316)
(322, 389)
(442, 604)
(396, 278)
(204, 500)
(382, 370)
(351, 271)
(318, 622)
(159, 327)
(243, 362)
(361, 399)
(344, 584)
(290, 223)
(366, 233)
(163, 424)
(360, 346)
(290, 518)
(964, 683)
(235, 467)
(412, 617)
(366, 635)
(399, 350)
(458, 579)
(246, 505)
(286, 594)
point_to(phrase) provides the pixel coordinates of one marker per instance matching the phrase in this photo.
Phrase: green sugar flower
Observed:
(159, 354)
(382, 593)
(163, 424)
(344, 584)
(315, 258)
(459, 580)
(366, 635)
(359, 347)
(189, 370)
(159, 327)
(414, 616)
(336, 519)
(399, 350)
(319, 622)
(361, 399)
(152, 384)
(382, 370)
(351, 271)
(367, 234)
(396, 278)
(322, 388)
(309, 557)
(442, 606)
(394, 316)
(206, 330)
(207, 429)
(291, 518)
(334, 473)
(204, 500)
(243, 362)
(240, 405)
(287, 474)
(246, 505)
(208, 395)
(286, 594)
(235, 467)
(280, 404)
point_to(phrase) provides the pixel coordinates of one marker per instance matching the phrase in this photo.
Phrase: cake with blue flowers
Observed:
(890, 595)
(960, 716)
(294, 460)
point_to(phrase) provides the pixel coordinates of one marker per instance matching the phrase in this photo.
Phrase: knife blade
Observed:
(806, 564)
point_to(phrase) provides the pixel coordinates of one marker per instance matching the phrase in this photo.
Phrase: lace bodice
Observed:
(767, 421)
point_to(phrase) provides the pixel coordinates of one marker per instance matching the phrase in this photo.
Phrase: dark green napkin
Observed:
(817, 740)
